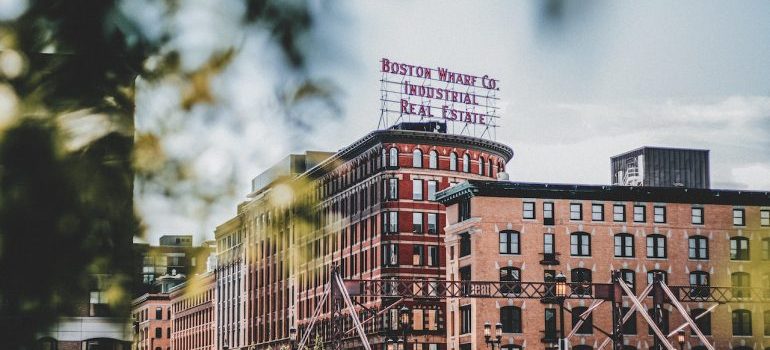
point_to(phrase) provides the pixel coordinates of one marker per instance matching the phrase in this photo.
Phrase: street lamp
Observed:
(292, 337)
(404, 314)
(561, 294)
(488, 334)
(680, 339)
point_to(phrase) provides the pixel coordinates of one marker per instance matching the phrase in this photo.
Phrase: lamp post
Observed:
(488, 334)
(561, 294)
(680, 339)
(292, 337)
(404, 313)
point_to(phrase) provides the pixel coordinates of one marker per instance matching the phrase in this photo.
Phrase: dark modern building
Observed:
(171, 262)
(661, 167)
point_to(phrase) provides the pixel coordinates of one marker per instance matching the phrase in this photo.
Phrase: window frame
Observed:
(466, 163)
(736, 251)
(515, 315)
(640, 216)
(594, 212)
(508, 236)
(581, 244)
(548, 213)
(579, 211)
(393, 157)
(433, 159)
(656, 246)
(417, 190)
(694, 247)
(764, 217)
(701, 217)
(417, 161)
(615, 212)
(624, 246)
(421, 223)
(530, 211)
(743, 321)
(453, 161)
(662, 215)
(741, 219)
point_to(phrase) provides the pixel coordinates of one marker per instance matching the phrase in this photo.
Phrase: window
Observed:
(663, 325)
(433, 256)
(433, 160)
(629, 327)
(510, 280)
(528, 210)
(390, 222)
(465, 319)
(393, 161)
(697, 216)
(766, 248)
(390, 254)
(418, 255)
(453, 161)
(432, 186)
(629, 277)
(548, 213)
(739, 248)
(587, 326)
(698, 247)
(158, 332)
(597, 212)
(741, 282)
(432, 225)
(581, 279)
(465, 244)
(481, 165)
(417, 190)
(651, 276)
(624, 245)
(640, 213)
(417, 222)
(548, 245)
(509, 242)
(741, 322)
(464, 209)
(702, 319)
(550, 324)
(618, 212)
(739, 217)
(158, 313)
(575, 211)
(417, 158)
(580, 244)
(699, 282)
(766, 319)
(659, 214)
(466, 163)
(764, 217)
(392, 189)
(656, 246)
(510, 317)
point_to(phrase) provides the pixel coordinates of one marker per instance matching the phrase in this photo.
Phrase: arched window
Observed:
(739, 248)
(433, 160)
(651, 274)
(656, 246)
(466, 163)
(629, 276)
(509, 242)
(741, 283)
(699, 282)
(510, 280)
(481, 165)
(698, 247)
(417, 158)
(580, 244)
(581, 281)
(510, 317)
(703, 322)
(741, 322)
(624, 245)
(587, 326)
(453, 161)
(663, 325)
(393, 161)
(491, 167)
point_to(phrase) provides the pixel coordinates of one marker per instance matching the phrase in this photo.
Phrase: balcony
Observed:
(549, 259)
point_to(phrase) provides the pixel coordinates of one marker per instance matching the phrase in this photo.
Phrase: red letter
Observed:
(404, 104)
(385, 65)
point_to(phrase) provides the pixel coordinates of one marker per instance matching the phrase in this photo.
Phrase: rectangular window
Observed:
(587, 326)
(766, 248)
(390, 254)
(640, 213)
(418, 258)
(158, 313)
(656, 246)
(529, 210)
(158, 332)
(548, 213)
(629, 327)
(417, 190)
(464, 210)
(597, 212)
(433, 256)
(390, 222)
(575, 211)
(764, 217)
(697, 216)
(739, 217)
(580, 244)
(465, 244)
(618, 213)
(432, 187)
(550, 324)
(698, 247)
(465, 319)
(739, 248)
(659, 214)
(417, 222)
(392, 189)
(548, 245)
(624, 245)
(432, 223)
(509, 242)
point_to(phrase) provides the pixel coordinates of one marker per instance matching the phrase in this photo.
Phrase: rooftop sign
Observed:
(410, 93)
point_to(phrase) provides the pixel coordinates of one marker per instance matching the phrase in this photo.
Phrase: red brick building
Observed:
(193, 314)
(368, 209)
(505, 231)
(152, 322)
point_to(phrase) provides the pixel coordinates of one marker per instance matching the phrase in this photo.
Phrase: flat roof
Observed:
(660, 148)
(491, 188)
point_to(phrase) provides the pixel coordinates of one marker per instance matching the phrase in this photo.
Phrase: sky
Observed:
(579, 82)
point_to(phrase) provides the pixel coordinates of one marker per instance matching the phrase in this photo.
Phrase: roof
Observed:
(490, 188)
(658, 148)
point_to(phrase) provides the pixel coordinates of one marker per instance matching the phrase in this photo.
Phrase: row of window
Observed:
(624, 246)
(390, 222)
(390, 189)
(639, 213)
(485, 167)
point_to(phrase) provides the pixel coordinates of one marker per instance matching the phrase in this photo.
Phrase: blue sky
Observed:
(580, 81)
